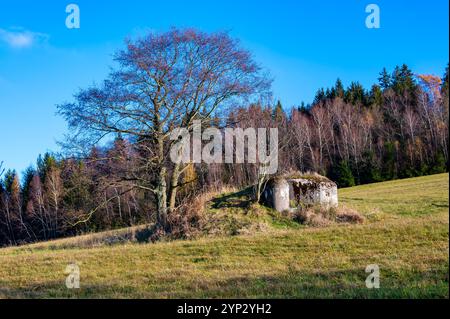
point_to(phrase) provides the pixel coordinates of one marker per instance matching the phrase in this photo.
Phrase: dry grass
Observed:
(231, 213)
(105, 238)
(313, 176)
(317, 216)
(348, 215)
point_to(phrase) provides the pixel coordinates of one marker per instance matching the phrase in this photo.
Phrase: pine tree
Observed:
(376, 96)
(320, 96)
(342, 174)
(303, 108)
(389, 170)
(339, 89)
(27, 178)
(445, 91)
(369, 172)
(278, 113)
(445, 80)
(403, 82)
(356, 94)
(44, 164)
(385, 79)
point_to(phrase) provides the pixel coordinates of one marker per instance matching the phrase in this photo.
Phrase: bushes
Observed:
(317, 216)
(369, 172)
(440, 166)
(342, 175)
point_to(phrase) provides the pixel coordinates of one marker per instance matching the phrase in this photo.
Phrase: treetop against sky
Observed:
(305, 45)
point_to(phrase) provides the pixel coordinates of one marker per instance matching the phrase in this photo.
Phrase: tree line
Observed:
(396, 129)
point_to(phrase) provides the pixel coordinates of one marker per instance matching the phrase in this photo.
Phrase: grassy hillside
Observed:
(405, 233)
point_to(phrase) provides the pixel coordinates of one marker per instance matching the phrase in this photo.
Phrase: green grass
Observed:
(406, 234)
(408, 197)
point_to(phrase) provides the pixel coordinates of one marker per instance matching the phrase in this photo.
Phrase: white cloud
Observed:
(20, 38)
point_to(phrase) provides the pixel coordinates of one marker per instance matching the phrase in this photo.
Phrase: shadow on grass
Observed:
(440, 205)
(241, 199)
(292, 284)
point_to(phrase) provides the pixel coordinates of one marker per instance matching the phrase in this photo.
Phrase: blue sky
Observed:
(304, 44)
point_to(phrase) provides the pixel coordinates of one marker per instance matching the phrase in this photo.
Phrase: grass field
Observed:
(405, 233)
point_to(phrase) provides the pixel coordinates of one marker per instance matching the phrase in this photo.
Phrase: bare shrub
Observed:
(189, 220)
(303, 215)
(318, 220)
(317, 216)
(349, 215)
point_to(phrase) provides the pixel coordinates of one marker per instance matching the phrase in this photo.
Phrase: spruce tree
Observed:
(339, 89)
(376, 96)
(385, 79)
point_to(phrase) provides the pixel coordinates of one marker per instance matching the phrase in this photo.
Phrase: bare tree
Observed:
(319, 119)
(299, 139)
(53, 194)
(164, 81)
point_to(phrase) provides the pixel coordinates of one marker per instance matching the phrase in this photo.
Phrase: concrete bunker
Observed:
(288, 192)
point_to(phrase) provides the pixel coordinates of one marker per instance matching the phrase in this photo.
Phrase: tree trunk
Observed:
(161, 199)
(161, 188)
(174, 187)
